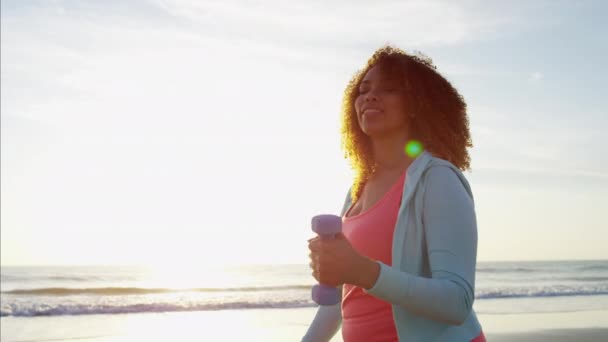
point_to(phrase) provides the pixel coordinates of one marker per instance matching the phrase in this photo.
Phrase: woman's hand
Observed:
(335, 262)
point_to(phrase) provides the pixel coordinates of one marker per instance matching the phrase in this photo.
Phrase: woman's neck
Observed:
(389, 154)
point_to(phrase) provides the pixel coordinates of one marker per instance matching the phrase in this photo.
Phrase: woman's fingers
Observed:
(316, 248)
(314, 265)
(313, 245)
(316, 244)
(314, 275)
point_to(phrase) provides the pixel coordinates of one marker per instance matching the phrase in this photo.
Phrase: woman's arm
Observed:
(326, 323)
(451, 234)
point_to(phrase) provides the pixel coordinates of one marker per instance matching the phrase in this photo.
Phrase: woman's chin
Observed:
(374, 131)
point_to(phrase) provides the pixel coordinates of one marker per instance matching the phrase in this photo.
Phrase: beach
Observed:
(274, 325)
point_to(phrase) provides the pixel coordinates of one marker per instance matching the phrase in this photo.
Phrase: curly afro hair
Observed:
(440, 120)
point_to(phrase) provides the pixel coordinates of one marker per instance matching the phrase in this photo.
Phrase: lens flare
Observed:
(413, 148)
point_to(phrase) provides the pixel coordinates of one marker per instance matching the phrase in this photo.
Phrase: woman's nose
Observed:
(371, 95)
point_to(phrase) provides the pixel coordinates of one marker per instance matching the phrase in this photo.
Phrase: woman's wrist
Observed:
(369, 271)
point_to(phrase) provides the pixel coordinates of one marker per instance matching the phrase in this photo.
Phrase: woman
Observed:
(405, 260)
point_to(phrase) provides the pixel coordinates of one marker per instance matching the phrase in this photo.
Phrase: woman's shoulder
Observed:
(442, 174)
(438, 161)
(440, 167)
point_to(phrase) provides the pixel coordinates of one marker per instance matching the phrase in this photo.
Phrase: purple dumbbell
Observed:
(326, 226)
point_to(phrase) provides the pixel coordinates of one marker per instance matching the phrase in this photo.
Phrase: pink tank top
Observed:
(365, 317)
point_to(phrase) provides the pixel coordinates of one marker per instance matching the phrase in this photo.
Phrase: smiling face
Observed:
(381, 104)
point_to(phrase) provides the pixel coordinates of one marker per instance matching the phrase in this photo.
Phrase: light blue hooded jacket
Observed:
(431, 283)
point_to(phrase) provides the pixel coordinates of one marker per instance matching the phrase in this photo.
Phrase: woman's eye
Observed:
(387, 89)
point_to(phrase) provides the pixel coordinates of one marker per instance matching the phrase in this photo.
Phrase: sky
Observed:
(208, 132)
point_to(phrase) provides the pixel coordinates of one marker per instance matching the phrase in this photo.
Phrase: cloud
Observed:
(522, 138)
(79, 35)
(536, 76)
(566, 180)
(345, 24)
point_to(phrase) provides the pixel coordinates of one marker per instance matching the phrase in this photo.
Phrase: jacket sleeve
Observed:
(450, 227)
(326, 323)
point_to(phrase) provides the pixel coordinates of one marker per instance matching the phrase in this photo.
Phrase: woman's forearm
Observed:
(446, 298)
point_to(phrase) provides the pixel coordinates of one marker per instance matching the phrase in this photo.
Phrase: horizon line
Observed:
(265, 264)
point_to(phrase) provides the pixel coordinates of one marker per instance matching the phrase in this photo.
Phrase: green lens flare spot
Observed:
(413, 148)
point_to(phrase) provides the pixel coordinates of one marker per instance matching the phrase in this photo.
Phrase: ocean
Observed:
(501, 288)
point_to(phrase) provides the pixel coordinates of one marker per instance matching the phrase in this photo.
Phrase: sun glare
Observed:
(190, 276)
(413, 148)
